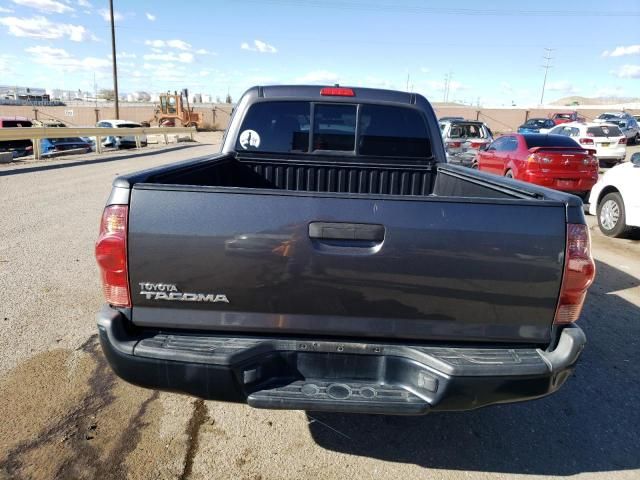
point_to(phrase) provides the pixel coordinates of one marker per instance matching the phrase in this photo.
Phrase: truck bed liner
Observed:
(336, 177)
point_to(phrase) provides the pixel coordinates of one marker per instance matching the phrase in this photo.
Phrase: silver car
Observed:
(462, 140)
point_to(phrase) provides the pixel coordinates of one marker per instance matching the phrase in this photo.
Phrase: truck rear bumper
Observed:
(329, 375)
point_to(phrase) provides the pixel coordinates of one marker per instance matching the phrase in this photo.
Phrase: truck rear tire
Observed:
(509, 174)
(611, 215)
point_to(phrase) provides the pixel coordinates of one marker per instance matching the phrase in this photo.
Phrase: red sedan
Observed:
(553, 161)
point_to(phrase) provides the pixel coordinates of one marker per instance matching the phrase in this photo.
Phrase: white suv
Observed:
(608, 141)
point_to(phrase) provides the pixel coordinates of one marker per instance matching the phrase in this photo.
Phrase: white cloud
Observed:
(6, 65)
(616, 91)
(424, 70)
(562, 86)
(106, 15)
(5, 10)
(621, 51)
(40, 27)
(170, 57)
(151, 17)
(60, 59)
(84, 4)
(258, 46)
(628, 71)
(155, 43)
(177, 44)
(205, 73)
(318, 76)
(123, 55)
(454, 85)
(204, 51)
(51, 6)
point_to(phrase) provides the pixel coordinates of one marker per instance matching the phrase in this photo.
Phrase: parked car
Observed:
(49, 146)
(606, 117)
(19, 148)
(629, 127)
(565, 117)
(118, 141)
(536, 125)
(552, 161)
(401, 284)
(463, 139)
(615, 199)
(608, 141)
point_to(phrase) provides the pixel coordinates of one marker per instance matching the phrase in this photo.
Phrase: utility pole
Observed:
(447, 85)
(547, 65)
(408, 76)
(113, 55)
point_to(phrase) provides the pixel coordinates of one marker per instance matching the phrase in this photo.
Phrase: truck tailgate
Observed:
(423, 268)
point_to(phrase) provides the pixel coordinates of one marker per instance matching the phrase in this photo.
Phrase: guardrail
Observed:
(35, 134)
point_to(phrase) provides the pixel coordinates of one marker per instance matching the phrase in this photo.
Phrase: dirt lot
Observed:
(66, 416)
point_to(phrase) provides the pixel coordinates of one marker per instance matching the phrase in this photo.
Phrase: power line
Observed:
(548, 58)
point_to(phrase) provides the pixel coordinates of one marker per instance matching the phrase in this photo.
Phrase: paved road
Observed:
(64, 415)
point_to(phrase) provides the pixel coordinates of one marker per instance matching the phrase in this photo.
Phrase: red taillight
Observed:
(586, 141)
(337, 92)
(111, 255)
(476, 144)
(454, 144)
(579, 272)
(623, 141)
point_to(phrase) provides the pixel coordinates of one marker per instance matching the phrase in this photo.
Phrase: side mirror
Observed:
(635, 159)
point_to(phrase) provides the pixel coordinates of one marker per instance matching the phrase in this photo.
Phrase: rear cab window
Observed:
(322, 127)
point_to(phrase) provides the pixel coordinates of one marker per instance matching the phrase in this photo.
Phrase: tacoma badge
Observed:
(168, 291)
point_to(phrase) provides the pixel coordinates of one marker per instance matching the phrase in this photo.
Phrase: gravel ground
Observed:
(65, 415)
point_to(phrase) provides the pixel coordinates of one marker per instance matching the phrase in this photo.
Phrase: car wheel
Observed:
(636, 139)
(611, 215)
(509, 174)
(474, 165)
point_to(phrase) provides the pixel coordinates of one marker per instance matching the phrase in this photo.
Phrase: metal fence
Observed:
(35, 134)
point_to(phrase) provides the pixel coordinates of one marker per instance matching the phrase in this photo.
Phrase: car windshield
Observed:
(604, 131)
(563, 115)
(16, 123)
(128, 125)
(609, 116)
(67, 140)
(536, 122)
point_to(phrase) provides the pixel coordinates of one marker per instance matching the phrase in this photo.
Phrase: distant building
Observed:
(24, 94)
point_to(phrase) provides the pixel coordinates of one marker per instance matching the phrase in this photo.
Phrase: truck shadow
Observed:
(590, 425)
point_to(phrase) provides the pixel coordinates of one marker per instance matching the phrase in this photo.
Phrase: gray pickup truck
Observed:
(330, 259)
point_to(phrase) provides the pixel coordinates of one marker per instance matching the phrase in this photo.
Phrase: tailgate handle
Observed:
(346, 231)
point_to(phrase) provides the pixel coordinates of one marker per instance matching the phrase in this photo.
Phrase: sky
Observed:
(493, 50)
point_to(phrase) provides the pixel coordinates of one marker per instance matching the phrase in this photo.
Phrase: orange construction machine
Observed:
(174, 111)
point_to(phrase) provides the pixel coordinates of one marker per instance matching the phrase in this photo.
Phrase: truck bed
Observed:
(338, 176)
(460, 255)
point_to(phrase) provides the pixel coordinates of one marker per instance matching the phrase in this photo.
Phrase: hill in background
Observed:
(577, 100)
